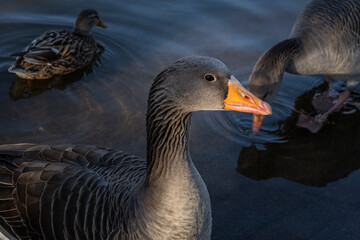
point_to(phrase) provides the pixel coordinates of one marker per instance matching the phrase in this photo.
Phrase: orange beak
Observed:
(240, 99)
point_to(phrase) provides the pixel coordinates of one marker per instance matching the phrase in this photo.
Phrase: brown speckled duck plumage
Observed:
(59, 52)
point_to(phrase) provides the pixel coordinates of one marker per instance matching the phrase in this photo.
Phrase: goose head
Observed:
(86, 20)
(199, 83)
(264, 86)
(267, 74)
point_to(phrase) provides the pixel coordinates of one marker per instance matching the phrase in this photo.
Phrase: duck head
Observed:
(86, 20)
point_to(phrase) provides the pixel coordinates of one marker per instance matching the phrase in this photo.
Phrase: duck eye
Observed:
(210, 77)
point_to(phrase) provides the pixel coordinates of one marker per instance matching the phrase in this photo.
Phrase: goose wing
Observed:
(64, 191)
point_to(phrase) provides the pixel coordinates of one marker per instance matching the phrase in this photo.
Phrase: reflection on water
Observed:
(303, 157)
(105, 105)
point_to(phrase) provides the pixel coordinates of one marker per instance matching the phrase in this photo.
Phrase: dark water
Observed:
(284, 183)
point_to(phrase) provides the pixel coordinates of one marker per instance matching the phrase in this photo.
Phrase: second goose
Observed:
(325, 40)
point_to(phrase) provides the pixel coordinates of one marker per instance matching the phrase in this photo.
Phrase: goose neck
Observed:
(274, 61)
(167, 138)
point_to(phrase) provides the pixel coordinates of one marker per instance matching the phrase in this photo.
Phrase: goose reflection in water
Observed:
(25, 88)
(306, 158)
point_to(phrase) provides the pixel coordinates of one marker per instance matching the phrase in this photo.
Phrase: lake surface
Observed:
(284, 183)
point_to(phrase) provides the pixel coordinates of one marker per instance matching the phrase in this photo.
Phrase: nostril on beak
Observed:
(247, 97)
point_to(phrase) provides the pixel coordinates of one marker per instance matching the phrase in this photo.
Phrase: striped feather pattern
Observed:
(66, 191)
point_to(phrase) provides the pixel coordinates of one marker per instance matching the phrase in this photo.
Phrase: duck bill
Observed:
(240, 99)
(256, 124)
(101, 24)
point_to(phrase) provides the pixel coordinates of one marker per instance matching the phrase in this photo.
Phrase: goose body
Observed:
(88, 192)
(329, 34)
(59, 52)
(325, 40)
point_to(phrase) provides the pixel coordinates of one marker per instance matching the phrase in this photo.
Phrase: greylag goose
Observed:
(325, 40)
(59, 52)
(88, 192)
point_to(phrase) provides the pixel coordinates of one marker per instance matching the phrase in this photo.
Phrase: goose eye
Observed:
(210, 77)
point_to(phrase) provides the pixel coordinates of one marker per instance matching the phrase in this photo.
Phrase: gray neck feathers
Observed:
(267, 74)
(274, 61)
(167, 132)
(175, 201)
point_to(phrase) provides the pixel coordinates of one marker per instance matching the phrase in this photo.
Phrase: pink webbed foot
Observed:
(314, 124)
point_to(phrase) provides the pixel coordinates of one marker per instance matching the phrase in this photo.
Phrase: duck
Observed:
(325, 40)
(88, 192)
(59, 52)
